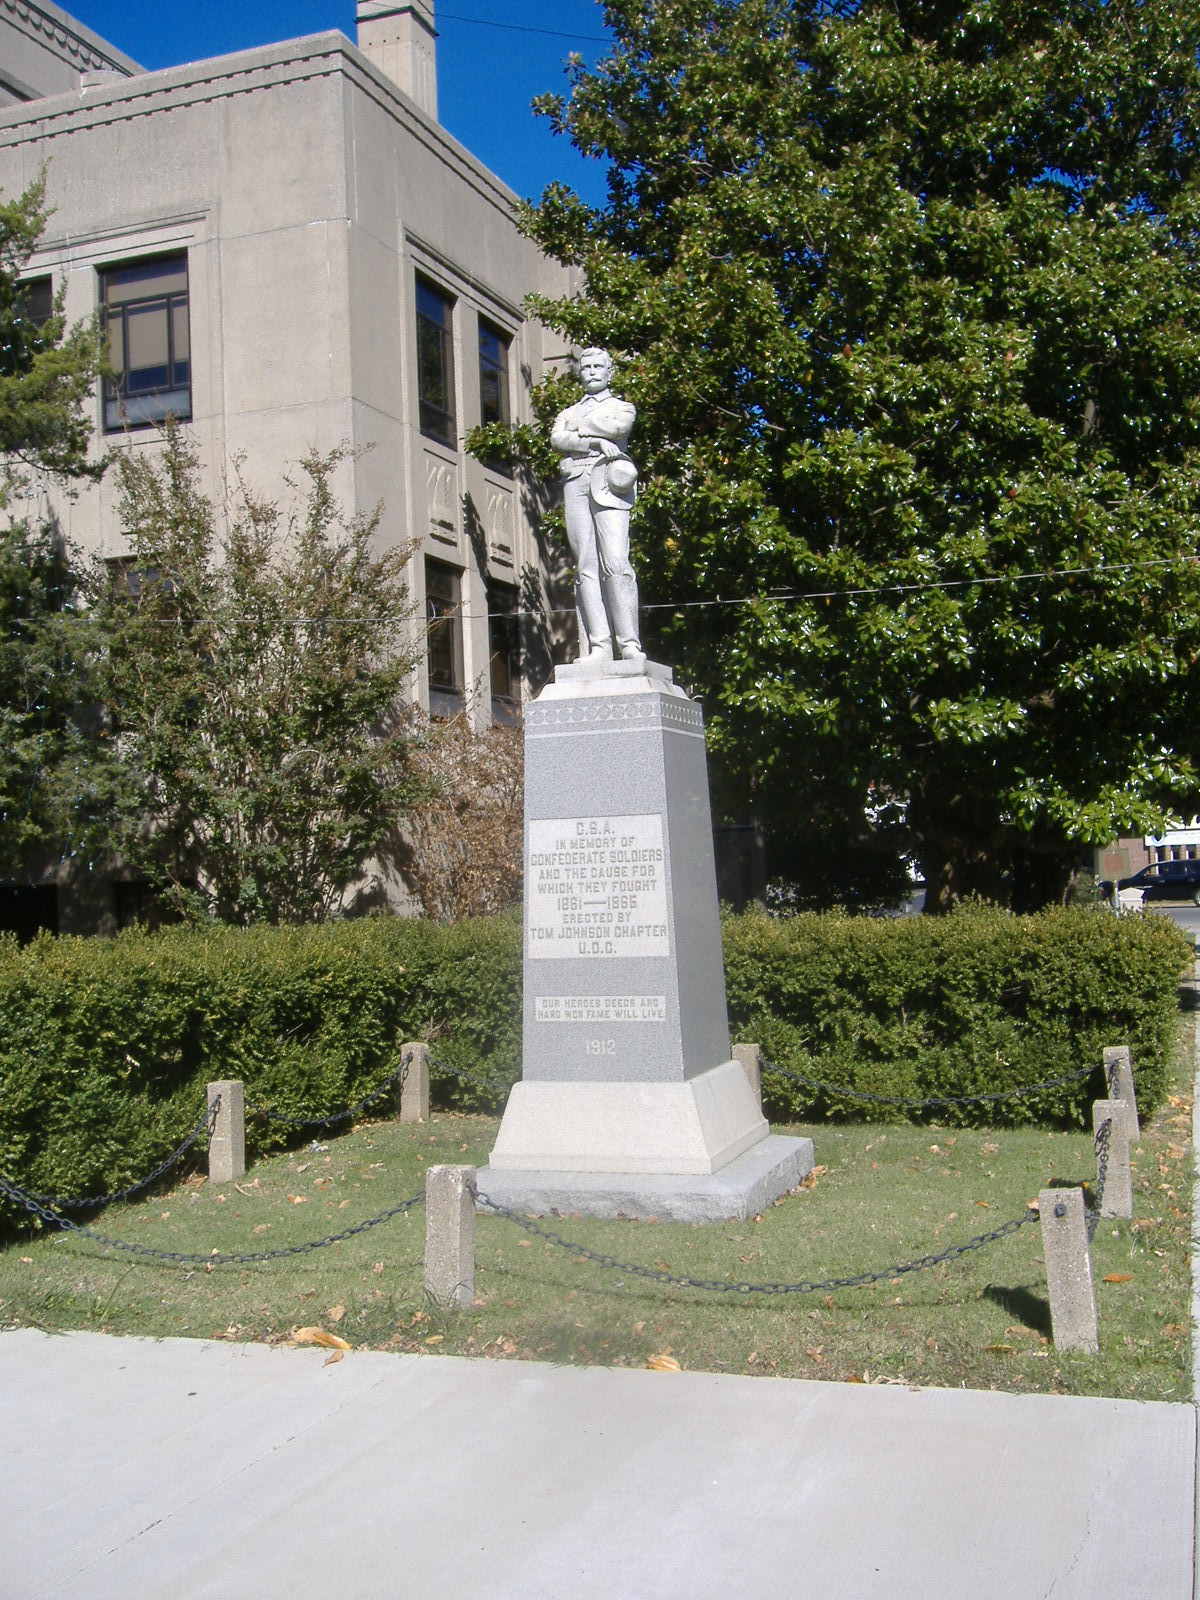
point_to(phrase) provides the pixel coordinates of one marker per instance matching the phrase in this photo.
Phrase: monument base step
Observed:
(741, 1189)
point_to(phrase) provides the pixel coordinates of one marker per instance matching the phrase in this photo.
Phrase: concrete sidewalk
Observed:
(179, 1469)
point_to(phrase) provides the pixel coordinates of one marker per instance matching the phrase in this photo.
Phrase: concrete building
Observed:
(289, 252)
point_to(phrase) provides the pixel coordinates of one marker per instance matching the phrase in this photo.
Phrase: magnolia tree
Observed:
(909, 296)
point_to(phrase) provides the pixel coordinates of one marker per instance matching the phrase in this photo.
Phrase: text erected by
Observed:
(596, 886)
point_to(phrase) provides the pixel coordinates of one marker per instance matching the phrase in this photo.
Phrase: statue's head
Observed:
(595, 369)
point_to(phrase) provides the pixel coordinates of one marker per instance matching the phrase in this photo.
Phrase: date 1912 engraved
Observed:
(596, 886)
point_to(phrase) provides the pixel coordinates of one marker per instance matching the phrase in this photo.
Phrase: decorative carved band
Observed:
(85, 55)
(618, 715)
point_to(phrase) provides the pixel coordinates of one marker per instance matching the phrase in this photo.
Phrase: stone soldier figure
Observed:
(599, 489)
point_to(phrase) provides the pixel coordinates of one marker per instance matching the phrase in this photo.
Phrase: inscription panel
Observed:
(600, 1008)
(596, 886)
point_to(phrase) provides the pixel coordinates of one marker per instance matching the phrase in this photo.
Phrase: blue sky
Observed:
(493, 57)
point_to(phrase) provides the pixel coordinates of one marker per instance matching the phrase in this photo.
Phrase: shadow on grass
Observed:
(1030, 1309)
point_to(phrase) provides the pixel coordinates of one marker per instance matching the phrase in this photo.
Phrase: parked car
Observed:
(1161, 880)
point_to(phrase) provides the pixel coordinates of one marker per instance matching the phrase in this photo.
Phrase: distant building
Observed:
(289, 252)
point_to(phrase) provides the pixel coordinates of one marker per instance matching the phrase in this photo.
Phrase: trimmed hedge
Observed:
(106, 1045)
(972, 1003)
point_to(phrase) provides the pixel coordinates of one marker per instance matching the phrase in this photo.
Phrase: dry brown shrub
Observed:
(462, 853)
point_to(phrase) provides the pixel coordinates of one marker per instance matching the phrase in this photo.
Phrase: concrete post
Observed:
(227, 1143)
(450, 1235)
(1073, 1322)
(750, 1056)
(1116, 1198)
(414, 1088)
(1118, 1074)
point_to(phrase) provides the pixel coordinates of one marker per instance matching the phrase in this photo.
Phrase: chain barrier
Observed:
(934, 1100)
(215, 1258)
(205, 1122)
(470, 1077)
(724, 1286)
(1100, 1144)
(400, 1075)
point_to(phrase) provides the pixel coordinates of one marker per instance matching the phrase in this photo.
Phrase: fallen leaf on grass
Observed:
(26, 1261)
(377, 1268)
(322, 1183)
(663, 1266)
(1000, 1349)
(817, 1354)
(525, 1244)
(663, 1363)
(262, 1227)
(1117, 1277)
(331, 1341)
(297, 1199)
(985, 1204)
(336, 1313)
(435, 1338)
(248, 1191)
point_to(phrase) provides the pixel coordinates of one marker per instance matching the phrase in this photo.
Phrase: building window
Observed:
(443, 611)
(493, 375)
(504, 641)
(145, 312)
(435, 364)
(34, 306)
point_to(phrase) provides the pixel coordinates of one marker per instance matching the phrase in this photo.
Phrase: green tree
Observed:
(909, 301)
(58, 779)
(256, 670)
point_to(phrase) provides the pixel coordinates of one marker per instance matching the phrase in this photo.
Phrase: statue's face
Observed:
(595, 369)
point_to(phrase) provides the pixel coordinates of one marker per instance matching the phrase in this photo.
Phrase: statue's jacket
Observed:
(607, 418)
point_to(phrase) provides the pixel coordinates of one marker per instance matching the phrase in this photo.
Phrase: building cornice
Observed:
(68, 37)
(248, 72)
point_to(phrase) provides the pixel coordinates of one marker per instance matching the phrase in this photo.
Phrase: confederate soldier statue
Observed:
(599, 489)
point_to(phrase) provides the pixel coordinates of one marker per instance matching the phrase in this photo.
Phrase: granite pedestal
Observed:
(630, 1103)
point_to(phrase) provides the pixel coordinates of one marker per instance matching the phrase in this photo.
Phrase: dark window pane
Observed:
(504, 637)
(145, 309)
(435, 364)
(443, 604)
(493, 375)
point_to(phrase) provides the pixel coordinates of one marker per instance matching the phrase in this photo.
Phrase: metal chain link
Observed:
(66, 1203)
(723, 1286)
(400, 1074)
(216, 1258)
(934, 1100)
(471, 1077)
(1101, 1145)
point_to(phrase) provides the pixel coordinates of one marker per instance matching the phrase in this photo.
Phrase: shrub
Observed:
(971, 1003)
(106, 1046)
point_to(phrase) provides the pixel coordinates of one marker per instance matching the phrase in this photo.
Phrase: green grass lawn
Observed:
(881, 1195)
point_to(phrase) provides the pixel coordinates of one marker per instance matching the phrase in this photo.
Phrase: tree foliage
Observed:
(909, 301)
(256, 665)
(58, 781)
(47, 369)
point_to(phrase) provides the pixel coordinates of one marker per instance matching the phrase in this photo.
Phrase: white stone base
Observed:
(743, 1188)
(694, 1127)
